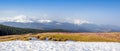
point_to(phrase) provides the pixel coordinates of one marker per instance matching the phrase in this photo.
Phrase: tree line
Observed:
(8, 30)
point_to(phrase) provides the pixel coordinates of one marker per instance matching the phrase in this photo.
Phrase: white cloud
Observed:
(44, 21)
(25, 19)
(4, 19)
(20, 18)
(78, 21)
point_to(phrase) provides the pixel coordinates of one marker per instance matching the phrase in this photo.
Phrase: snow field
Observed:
(58, 46)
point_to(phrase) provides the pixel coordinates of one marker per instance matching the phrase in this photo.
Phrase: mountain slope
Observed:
(75, 25)
(7, 30)
(85, 27)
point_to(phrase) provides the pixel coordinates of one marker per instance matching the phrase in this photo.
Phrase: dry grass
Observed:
(86, 37)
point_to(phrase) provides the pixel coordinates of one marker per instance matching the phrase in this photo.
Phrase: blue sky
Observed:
(97, 11)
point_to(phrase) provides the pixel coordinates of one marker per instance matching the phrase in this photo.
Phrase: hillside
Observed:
(84, 27)
(7, 30)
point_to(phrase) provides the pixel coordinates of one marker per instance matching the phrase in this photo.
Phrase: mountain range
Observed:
(77, 26)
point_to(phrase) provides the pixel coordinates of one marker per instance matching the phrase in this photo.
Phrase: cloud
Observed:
(20, 18)
(44, 21)
(26, 19)
(78, 21)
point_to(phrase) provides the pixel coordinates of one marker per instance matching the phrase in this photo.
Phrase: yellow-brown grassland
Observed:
(59, 36)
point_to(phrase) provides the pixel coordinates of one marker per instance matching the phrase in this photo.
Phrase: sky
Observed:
(97, 11)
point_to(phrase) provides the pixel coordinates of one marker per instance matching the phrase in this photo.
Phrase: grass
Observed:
(85, 37)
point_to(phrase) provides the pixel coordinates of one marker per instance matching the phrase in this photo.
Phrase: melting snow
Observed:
(58, 46)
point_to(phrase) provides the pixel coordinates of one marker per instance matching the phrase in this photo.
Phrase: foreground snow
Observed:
(58, 46)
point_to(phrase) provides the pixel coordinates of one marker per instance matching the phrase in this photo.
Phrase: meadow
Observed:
(66, 36)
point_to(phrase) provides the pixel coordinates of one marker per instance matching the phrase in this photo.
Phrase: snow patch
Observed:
(58, 46)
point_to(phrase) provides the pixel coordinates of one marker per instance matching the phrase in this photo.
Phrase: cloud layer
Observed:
(26, 19)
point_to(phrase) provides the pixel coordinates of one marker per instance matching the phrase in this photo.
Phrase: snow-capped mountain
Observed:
(74, 25)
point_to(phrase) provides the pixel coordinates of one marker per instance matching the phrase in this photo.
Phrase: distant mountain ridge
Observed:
(85, 27)
(76, 25)
(9, 30)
